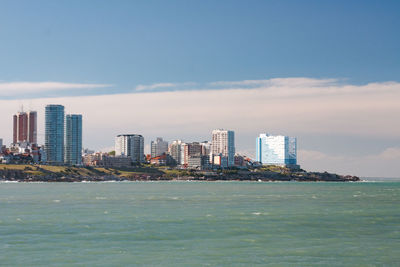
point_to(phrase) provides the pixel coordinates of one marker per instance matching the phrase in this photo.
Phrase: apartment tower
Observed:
(158, 147)
(25, 127)
(73, 139)
(54, 134)
(130, 145)
(223, 144)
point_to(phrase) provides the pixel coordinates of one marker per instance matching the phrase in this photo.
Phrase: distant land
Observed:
(48, 173)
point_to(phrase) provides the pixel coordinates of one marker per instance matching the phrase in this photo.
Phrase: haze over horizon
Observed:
(325, 72)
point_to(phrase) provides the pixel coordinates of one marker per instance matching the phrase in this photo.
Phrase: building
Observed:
(106, 161)
(1, 144)
(130, 145)
(159, 160)
(183, 152)
(20, 127)
(32, 127)
(276, 150)
(73, 139)
(190, 150)
(220, 161)
(25, 127)
(198, 162)
(158, 147)
(175, 151)
(205, 148)
(87, 151)
(223, 144)
(192, 156)
(240, 161)
(54, 134)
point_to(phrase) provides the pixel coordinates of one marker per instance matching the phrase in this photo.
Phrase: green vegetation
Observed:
(149, 172)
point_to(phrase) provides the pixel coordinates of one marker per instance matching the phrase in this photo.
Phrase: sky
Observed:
(327, 72)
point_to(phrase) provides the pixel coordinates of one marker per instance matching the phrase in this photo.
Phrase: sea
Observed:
(186, 223)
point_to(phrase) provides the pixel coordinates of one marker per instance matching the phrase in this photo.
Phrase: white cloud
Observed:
(306, 87)
(292, 82)
(18, 88)
(142, 87)
(156, 86)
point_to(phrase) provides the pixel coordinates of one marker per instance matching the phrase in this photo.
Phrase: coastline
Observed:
(47, 173)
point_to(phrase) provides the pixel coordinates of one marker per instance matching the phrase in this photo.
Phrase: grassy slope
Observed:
(42, 170)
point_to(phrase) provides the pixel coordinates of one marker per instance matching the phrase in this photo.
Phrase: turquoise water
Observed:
(200, 224)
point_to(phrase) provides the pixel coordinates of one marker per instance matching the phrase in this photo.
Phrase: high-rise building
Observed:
(20, 129)
(32, 127)
(158, 147)
(54, 134)
(1, 143)
(73, 139)
(25, 127)
(175, 151)
(205, 148)
(276, 150)
(223, 144)
(130, 145)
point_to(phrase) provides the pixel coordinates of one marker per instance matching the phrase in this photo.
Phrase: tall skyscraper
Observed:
(54, 134)
(223, 144)
(73, 139)
(158, 147)
(276, 150)
(20, 133)
(130, 145)
(32, 127)
(25, 127)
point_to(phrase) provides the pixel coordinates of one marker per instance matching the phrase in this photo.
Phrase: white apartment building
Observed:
(175, 151)
(276, 150)
(130, 145)
(223, 144)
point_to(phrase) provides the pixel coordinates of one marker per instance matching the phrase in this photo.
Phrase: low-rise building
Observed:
(220, 161)
(104, 160)
(159, 160)
(198, 162)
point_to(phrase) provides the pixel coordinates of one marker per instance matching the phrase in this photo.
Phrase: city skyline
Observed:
(325, 72)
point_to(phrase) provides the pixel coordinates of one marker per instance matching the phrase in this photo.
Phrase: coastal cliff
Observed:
(46, 173)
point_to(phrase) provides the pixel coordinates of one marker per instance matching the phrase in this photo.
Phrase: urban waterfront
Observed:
(200, 223)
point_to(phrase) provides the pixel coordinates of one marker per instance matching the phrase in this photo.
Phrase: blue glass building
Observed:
(276, 150)
(73, 139)
(54, 134)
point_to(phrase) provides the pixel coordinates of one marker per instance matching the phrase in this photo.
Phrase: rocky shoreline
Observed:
(81, 174)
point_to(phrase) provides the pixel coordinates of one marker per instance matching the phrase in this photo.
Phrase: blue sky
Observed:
(127, 43)
(334, 66)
